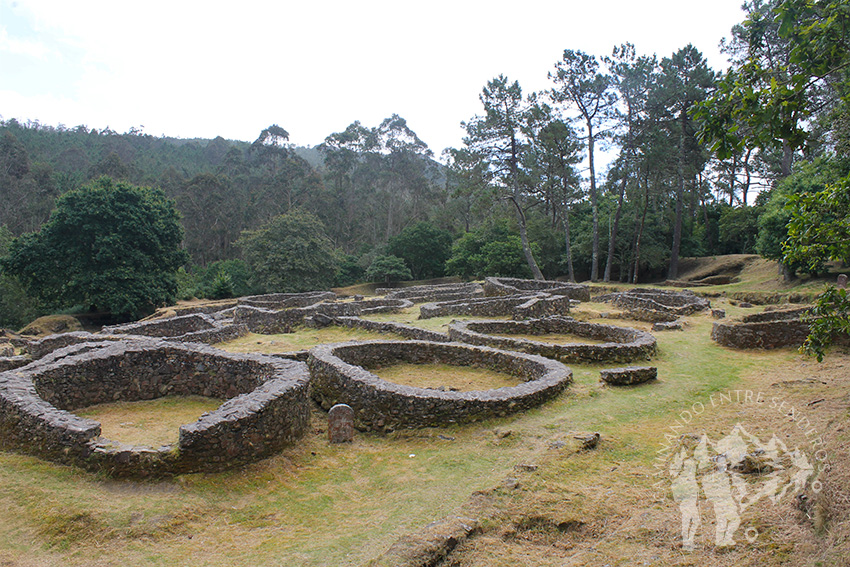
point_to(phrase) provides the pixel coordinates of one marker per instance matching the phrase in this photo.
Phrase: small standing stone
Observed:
(341, 424)
(842, 281)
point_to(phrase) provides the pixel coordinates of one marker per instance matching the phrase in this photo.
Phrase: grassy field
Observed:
(318, 504)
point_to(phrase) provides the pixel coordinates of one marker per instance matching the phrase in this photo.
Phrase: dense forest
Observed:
(691, 175)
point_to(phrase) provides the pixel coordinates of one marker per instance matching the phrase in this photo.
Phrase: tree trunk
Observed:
(615, 228)
(594, 258)
(570, 272)
(526, 247)
(640, 234)
(673, 272)
(787, 158)
(732, 179)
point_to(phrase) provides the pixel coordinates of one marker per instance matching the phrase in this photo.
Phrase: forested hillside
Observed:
(684, 173)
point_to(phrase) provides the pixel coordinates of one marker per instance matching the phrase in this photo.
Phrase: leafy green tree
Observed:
(424, 248)
(795, 52)
(110, 246)
(349, 271)
(550, 169)
(16, 307)
(290, 253)
(388, 268)
(632, 77)
(489, 251)
(819, 230)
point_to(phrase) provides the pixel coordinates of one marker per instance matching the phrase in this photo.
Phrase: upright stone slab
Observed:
(842, 281)
(341, 424)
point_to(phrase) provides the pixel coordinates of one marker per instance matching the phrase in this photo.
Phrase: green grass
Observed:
(152, 423)
(320, 504)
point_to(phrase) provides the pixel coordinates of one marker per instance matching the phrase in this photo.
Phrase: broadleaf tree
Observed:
(109, 246)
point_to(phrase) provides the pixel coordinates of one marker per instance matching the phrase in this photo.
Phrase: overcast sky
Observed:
(201, 69)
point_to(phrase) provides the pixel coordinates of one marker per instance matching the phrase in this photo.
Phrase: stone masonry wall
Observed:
(442, 292)
(267, 407)
(340, 375)
(517, 306)
(513, 286)
(624, 344)
(269, 322)
(764, 334)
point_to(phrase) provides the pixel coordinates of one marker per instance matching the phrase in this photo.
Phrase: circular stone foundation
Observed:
(266, 408)
(340, 374)
(624, 344)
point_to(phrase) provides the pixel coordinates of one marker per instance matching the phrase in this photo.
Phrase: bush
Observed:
(387, 269)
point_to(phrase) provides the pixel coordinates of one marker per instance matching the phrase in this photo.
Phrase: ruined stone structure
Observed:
(340, 374)
(426, 293)
(266, 408)
(515, 286)
(624, 344)
(406, 331)
(191, 328)
(643, 301)
(520, 306)
(628, 376)
(278, 301)
(269, 321)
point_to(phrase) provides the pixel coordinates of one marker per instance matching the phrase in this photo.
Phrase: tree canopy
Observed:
(109, 246)
(290, 253)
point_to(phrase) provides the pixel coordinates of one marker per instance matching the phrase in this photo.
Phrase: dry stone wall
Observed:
(624, 344)
(426, 293)
(192, 328)
(340, 374)
(406, 331)
(266, 408)
(762, 334)
(646, 301)
(269, 322)
(514, 286)
(516, 306)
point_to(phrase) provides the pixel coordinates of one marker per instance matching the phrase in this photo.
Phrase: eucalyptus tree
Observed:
(580, 84)
(405, 181)
(468, 186)
(498, 137)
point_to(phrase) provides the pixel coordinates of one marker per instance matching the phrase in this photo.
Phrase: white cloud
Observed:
(15, 46)
(191, 68)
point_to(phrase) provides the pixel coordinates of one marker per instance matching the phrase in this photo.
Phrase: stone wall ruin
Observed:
(623, 344)
(340, 374)
(266, 408)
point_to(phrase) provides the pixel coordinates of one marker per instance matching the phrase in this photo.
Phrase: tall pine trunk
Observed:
(673, 272)
(594, 258)
(570, 272)
(612, 240)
